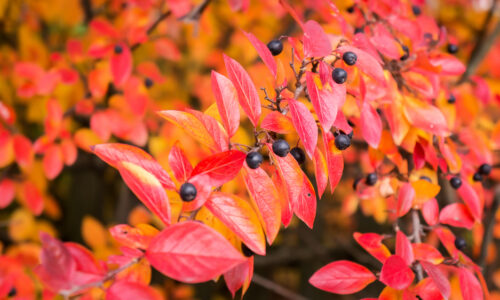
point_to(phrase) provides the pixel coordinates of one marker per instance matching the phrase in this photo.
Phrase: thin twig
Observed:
(416, 235)
(278, 289)
(489, 223)
(153, 26)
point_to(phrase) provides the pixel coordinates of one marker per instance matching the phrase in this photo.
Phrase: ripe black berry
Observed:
(455, 182)
(246, 251)
(452, 99)
(342, 141)
(254, 159)
(452, 48)
(281, 148)
(12, 292)
(416, 10)
(350, 58)
(371, 179)
(460, 243)
(350, 9)
(188, 192)
(407, 53)
(484, 169)
(148, 82)
(359, 30)
(275, 46)
(298, 154)
(118, 49)
(339, 75)
(423, 177)
(477, 177)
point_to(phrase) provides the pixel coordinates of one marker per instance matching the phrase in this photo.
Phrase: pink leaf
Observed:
(469, 285)
(121, 65)
(304, 123)
(247, 93)
(264, 52)
(456, 214)
(440, 279)
(450, 65)
(426, 116)
(405, 198)
(180, 165)
(7, 190)
(403, 248)
(239, 276)
(471, 199)
(371, 125)
(53, 161)
(227, 103)
(334, 159)
(192, 252)
(366, 63)
(430, 212)
(325, 108)
(396, 274)
(342, 277)
(316, 42)
(320, 171)
(129, 290)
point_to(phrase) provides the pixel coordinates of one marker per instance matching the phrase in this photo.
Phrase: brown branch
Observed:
(195, 14)
(416, 235)
(278, 289)
(489, 223)
(483, 45)
(153, 26)
(87, 10)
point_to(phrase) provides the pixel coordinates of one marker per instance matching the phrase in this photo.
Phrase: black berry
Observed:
(118, 49)
(281, 148)
(298, 154)
(452, 99)
(350, 58)
(254, 159)
(148, 82)
(12, 292)
(350, 123)
(246, 251)
(416, 10)
(188, 192)
(423, 177)
(460, 243)
(455, 182)
(342, 141)
(359, 30)
(477, 177)
(484, 169)
(350, 9)
(452, 48)
(339, 75)
(371, 179)
(275, 46)
(406, 51)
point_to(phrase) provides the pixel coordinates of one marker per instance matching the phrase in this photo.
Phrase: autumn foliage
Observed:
(225, 119)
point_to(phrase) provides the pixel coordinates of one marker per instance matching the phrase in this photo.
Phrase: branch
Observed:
(194, 15)
(278, 289)
(416, 235)
(489, 223)
(87, 10)
(483, 44)
(153, 26)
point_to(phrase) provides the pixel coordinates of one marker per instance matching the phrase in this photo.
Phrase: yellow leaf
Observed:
(424, 191)
(93, 233)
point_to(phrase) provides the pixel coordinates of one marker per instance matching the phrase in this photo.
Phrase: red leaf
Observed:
(342, 277)
(471, 199)
(396, 274)
(320, 172)
(264, 52)
(335, 161)
(371, 125)
(299, 190)
(203, 186)
(128, 290)
(405, 198)
(114, 154)
(266, 199)
(247, 93)
(385, 42)
(439, 278)
(325, 108)
(239, 216)
(146, 186)
(57, 267)
(221, 167)
(366, 63)
(450, 65)
(239, 276)
(286, 207)
(403, 248)
(23, 150)
(180, 165)
(7, 190)
(316, 42)
(304, 123)
(430, 211)
(33, 198)
(192, 252)
(121, 66)
(372, 243)
(456, 214)
(418, 156)
(425, 116)
(426, 252)
(227, 104)
(469, 285)
(213, 127)
(53, 161)
(277, 122)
